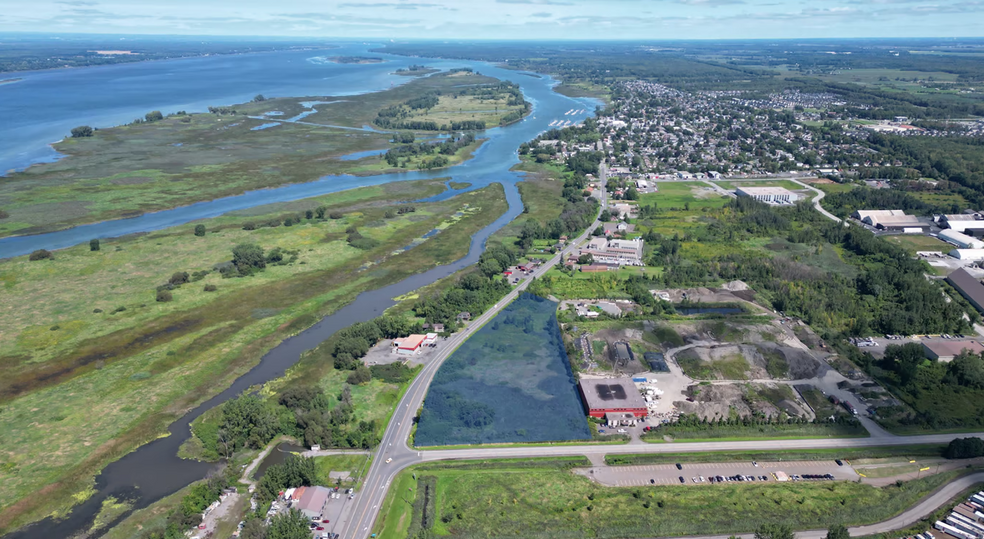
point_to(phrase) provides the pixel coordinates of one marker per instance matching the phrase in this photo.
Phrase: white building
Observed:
(968, 254)
(962, 222)
(615, 252)
(961, 240)
(775, 195)
(871, 217)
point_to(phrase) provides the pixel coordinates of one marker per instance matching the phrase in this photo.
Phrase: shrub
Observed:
(153, 116)
(309, 215)
(41, 254)
(248, 257)
(336, 215)
(352, 229)
(93, 245)
(363, 243)
(249, 226)
(964, 448)
(164, 296)
(199, 230)
(210, 288)
(320, 212)
(97, 311)
(360, 375)
(390, 214)
(178, 278)
(82, 131)
(4, 215)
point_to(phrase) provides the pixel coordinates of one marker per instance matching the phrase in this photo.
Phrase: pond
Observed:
(510, 382)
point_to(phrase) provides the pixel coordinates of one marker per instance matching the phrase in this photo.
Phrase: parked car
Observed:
(679, 466)
(652, 481)
(682, 480)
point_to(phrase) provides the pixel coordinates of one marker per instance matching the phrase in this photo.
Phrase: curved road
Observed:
(394, 454)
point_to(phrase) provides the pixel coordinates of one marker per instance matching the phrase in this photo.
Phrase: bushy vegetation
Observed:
(295, 471)
(474, 293)
(401, 155)
(189, 513)
(964, 448)
(691, 426)
(941, 395)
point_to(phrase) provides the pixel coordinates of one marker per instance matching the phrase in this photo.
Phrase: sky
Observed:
(503, 19)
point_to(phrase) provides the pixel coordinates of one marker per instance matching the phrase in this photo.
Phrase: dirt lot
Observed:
(761, 361)
(383, 354)
(720, 400)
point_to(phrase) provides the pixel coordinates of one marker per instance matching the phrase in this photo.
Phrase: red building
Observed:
(618, 395)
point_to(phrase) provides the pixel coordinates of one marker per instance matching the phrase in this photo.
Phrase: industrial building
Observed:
(961, 240)
(967, 254)
(947, 350)
(310, 501)
(612, 396)
(971, 224)
(614, 252)
(412, 344)
(872, 217)
(969, 287)
(775, 195)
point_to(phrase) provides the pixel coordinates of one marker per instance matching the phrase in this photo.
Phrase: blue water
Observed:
(359, 155)
(510, 382)
(264, 126)
(38, 110)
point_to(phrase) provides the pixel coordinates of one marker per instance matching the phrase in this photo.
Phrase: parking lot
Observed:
(876, 345)
(668, 474)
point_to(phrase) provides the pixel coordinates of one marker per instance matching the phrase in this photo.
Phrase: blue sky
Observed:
(503, 19)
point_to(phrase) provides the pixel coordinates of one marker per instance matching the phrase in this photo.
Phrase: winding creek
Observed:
(114, 94)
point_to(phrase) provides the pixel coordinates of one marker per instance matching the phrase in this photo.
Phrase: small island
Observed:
(10, 81)
(415, 71)
(355, 60)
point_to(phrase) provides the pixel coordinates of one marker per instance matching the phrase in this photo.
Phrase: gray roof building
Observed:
(612, 395)
(969, 287)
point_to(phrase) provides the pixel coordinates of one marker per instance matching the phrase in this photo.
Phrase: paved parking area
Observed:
(668, 474)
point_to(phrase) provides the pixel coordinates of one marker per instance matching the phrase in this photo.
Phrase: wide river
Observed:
(44, 106)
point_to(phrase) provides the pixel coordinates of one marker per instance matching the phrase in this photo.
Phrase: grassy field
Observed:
(132, 169)
(549, 501)
(89, 391)
(776, 431)
(681, 194)
(356, 465)
(908, 452)
(918, 242)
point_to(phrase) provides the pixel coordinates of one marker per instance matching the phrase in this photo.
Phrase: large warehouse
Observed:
(609, 396)
(776, 195)
(969, 287)
(961, 240)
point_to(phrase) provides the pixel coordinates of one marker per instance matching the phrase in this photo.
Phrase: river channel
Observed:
(154, 470)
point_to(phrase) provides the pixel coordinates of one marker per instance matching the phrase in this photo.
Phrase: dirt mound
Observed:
(735, 286)
(800, 364)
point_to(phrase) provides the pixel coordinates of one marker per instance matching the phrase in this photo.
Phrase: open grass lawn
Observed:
(776, 431)
(906, 451)
(100, 384)
(356, 465)
(551, 502)
(918, 242)
(680, 194)
(584, 89)
(132, 169)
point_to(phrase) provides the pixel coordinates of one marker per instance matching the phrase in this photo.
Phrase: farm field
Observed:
(158, 359)
(185, 158)
(510, 498)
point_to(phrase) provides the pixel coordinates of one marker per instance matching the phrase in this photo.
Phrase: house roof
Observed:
(953, 348)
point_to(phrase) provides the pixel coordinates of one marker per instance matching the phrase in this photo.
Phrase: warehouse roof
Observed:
(766, 191)
(612, 393)
(953, 348)
(968, 285)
